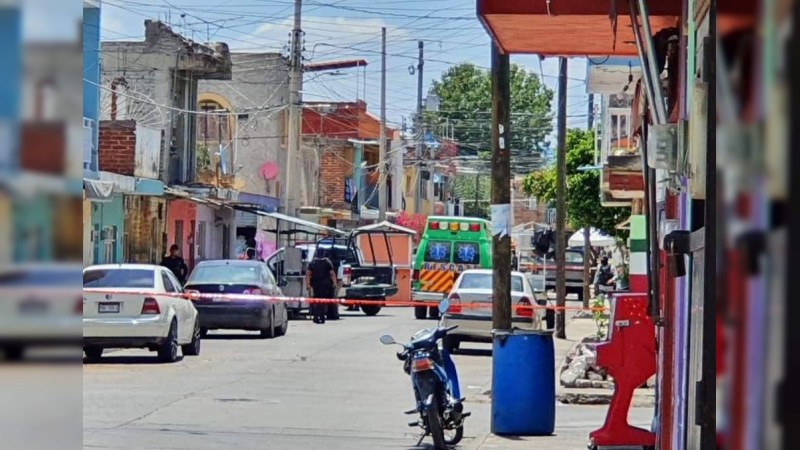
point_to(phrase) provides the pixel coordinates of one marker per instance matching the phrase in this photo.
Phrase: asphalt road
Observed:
(332, 386)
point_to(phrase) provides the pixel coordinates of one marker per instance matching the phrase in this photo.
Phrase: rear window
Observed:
(40, 277)
(338, 254)
(484, 281)
(438, 251)
(223, 274)
(119, 278)
(574, 257)
(467, 253)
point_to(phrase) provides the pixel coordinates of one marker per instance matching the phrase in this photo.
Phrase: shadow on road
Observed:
(234, 337)
(145, 360)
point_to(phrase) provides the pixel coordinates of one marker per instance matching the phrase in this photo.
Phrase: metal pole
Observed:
(295, 102)
(561, 201)
(382, 201)
(652, 68)
(418, 131)
(501, 195)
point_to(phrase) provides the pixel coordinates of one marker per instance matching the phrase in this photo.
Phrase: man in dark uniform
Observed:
(175, 263)
(321, 282)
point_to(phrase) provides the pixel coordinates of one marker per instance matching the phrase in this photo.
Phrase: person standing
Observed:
(603, 276)
(321, 282)
(175, 263)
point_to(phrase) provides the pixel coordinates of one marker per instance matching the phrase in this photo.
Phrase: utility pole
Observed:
(295, 104)
(501, 193)
(418, 132)
(561, 202)
(382, 201)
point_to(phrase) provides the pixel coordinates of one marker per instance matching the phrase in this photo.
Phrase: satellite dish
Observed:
(269, 170)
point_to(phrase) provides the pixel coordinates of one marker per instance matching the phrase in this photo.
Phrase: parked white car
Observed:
(137, 306)
(471, 307)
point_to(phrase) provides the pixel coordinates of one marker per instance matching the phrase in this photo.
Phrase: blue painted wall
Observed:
(108, 214)
(10, 79)
(32, 221)
(91, 70)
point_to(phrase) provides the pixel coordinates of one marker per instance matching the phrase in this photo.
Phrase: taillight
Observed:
(79, 306)
(421, 364)
(455, 304)
(347, 273)
(524, 308)
(254, 291)
(150, 306)
(191, 294)
(415, 275)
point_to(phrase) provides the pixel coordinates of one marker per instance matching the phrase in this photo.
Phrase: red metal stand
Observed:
(630, 357)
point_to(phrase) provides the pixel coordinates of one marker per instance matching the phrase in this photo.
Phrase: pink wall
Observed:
(186, 211)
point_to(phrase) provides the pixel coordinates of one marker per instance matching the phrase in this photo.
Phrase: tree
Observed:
(465, 111)
(583, 188)
(464, 187)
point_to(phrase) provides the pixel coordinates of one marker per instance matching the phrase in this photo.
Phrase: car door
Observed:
(275, 291)
(191, 311)
(178, 304)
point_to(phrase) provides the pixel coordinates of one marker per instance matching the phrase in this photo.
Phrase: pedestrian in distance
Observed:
(174, 262)
(603, 276)
(321, 282)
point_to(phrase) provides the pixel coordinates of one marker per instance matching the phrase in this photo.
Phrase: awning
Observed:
(295, 221)
(98, 191)
(128, 185)
(387, 226)
(596, 239)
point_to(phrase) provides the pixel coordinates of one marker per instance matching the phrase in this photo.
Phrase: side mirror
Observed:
(387, 340)
(444, 305)
(541, 302)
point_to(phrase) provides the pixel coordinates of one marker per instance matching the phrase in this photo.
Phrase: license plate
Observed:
(108, 308)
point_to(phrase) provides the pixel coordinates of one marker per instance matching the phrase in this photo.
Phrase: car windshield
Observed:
(225, 273)
(484, 281)
(119, 278)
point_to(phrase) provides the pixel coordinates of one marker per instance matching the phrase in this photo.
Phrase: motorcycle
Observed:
(435, 381)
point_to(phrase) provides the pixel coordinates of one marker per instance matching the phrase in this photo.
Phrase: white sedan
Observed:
(137, 306)
(471, 307)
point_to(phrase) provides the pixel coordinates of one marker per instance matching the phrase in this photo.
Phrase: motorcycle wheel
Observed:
(456, 436)
(435, 426)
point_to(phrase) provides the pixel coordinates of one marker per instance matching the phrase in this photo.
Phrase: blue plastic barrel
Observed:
(523, 383)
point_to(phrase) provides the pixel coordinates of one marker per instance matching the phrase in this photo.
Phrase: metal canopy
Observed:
(296, 221)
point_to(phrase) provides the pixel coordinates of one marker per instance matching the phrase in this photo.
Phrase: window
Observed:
(218, 273)
(438, 251)
(119, 278)
(484, 281)
(201, 240)
(467, 253)
(169, 286)
(574, 257)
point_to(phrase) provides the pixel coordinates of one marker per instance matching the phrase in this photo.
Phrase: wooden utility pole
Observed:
(561, 203)
(587, 231)
(501, 193)
(382, 200)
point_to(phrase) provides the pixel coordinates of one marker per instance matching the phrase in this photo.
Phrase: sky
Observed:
(347, 29)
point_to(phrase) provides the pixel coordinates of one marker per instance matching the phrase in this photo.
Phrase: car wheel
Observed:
(550, 319)
(371, 310)
(580, 295)
(269, 331)
(168, 350)
(93, 354)
(420, 312)
(433, 313)
(14, 353)
(193, 348)
(203, 332)
(281, 330)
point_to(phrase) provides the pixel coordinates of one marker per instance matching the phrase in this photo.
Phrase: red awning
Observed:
(570, 27)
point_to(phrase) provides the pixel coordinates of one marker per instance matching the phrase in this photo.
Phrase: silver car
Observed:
(471, 307)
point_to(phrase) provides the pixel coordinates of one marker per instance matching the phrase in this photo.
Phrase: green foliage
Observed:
(464, 188)
(203, 157)
(583, 188)
(465, 105)
(600, 316)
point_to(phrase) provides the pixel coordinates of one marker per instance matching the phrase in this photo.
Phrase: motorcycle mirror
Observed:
(387, 340)
(444, 305)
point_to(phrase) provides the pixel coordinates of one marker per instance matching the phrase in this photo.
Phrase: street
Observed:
(331, 386)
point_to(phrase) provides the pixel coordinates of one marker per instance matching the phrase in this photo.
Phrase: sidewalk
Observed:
(578, 411)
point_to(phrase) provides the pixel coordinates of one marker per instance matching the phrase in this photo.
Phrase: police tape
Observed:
(228, 297)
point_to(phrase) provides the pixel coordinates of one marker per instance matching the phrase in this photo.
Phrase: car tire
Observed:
(203, 332)
(371, 310)
(93, 354)
(269, 331)
(433, 313)
(580, 295)
(193, 348)
(14, 353)
(281, 330)
(420, 312)
(168, 350)
(550, 319)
